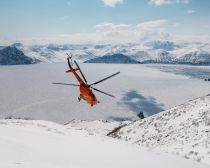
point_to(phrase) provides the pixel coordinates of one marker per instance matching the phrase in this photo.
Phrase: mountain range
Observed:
(169, 52)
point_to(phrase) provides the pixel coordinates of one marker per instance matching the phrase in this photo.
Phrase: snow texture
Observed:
(183, 130)
(26, 91)
(41, 144)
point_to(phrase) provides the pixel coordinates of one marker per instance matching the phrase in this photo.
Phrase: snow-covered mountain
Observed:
(114, 59)
(43, 53)
(183, 130)
(165, 45)
(42, 144)
(11, 56)
(147, 52)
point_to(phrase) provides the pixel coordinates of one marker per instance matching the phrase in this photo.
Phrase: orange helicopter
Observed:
(86, 92)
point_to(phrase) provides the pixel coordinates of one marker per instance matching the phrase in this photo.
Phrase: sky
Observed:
(103, 21)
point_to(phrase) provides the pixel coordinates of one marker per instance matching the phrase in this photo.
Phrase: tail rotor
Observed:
(70, 62)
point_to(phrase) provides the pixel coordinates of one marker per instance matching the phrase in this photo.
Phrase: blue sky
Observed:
(98, 21)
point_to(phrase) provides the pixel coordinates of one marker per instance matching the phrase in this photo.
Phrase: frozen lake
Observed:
(26, 91)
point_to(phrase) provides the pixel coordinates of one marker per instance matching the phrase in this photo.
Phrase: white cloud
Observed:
(109, 33)
(113, 27)
(112, 3)
(167, 2)
(190, 11)
(152, 24)
(121, 33)
(116, 33)
(153, 30)
(160, 2)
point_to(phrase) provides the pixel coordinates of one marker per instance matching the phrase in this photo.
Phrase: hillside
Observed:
(183, 130)
(38, 144)
(12, 56)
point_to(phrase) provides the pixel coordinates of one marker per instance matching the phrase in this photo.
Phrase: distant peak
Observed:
(17, 45)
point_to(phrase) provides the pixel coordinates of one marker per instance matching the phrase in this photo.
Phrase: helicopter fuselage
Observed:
(87, 94)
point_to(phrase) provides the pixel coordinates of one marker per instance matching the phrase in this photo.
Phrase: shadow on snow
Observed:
(136, 102)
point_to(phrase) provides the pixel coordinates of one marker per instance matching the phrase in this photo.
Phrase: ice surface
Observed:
(26, 91)
(197, 72)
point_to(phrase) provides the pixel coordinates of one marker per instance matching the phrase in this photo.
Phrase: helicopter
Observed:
(86, 90)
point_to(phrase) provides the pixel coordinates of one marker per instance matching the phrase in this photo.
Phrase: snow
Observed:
(183, 130)
(41, 144)
(26, 91)
(197, 72)
(98, 127)
(156, 51)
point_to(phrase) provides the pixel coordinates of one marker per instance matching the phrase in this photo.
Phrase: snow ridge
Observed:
(183, 130)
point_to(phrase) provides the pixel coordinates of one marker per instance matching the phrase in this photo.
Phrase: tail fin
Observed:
(70, 70)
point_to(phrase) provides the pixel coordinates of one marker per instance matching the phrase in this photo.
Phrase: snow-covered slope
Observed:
(100, 127)
(43, 53)
(11, 56)
(41, 144)
(183, 130)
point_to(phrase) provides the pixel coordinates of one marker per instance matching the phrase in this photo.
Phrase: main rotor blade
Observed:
(69, 62)
(104, 79)
(102, 92)
(65, 84)
(83, 76)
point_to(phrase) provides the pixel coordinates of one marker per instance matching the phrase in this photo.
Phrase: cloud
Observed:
(160, 2)
(153, 30)
(113, 27)
(167, 2)
(190, 11)
(112, 3)
(110, 33)
(152, 24)
(121, 33)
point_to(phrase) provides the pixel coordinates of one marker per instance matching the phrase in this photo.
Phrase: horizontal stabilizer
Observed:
(70, 70)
